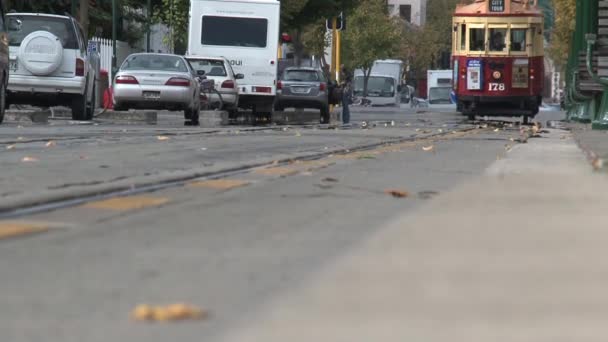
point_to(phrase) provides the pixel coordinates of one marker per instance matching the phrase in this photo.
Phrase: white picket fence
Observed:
(105, 53)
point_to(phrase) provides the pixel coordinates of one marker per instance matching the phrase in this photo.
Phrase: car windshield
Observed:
(301, 76)
(439, 95)
(376, 86)
(22, 25)
(155, 62)
(210, 67)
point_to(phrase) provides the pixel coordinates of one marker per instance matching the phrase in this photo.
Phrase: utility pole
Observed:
(84, 15)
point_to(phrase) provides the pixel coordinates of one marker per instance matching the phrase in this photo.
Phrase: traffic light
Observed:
(340, 23)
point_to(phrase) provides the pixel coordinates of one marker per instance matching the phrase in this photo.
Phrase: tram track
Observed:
(65, 198)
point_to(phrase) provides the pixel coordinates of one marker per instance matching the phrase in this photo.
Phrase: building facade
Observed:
(412, 11)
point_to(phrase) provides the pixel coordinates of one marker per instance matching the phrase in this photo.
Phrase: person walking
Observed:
(346, 85)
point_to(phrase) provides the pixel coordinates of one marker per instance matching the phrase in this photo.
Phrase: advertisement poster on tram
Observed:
(474, 74)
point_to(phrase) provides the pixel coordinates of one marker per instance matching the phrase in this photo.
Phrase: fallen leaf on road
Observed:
(173, 312)
(10, 147)
(511, 139)
(497, 130)
(507, 147)
(397, 193)
(50, 144)
(203, 149)
(392, 123)
(29, 159)
(440, 130)
(162, 138)
(19, 138)
(417, 129)
(366, 156)
(298, 134)
(428, 148)
(330, 179)
(597, 163)
(306, 173)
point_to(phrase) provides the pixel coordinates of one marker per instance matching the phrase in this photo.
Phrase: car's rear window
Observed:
(301, 76)
(211, 67)
(154, 62)
(60, 27)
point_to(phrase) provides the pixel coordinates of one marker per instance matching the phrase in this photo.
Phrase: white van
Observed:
(384, 83)
(439, 86)
(246, 32)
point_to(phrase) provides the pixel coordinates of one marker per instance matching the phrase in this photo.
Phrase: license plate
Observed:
(151, 95)
(12, 65)
(301, 90)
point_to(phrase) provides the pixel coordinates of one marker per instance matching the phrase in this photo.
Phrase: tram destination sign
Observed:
(497, 5)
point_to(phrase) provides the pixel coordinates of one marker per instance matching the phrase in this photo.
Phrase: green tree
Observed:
(371, 35)
(174, 14)
(561, 34)
(305, 19)
(421, 47)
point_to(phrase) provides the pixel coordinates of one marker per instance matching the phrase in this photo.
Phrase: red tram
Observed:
(497, 58)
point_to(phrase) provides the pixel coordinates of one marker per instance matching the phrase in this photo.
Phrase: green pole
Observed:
(114, 34)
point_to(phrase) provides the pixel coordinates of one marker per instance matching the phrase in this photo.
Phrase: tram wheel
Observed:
(471, 116)
(526, 120)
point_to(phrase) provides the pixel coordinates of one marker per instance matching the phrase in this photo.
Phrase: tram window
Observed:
(518, 40)
(463, 37)
(477, 39)
(497, 39)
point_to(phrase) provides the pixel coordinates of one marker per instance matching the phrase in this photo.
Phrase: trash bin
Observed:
(102, 88)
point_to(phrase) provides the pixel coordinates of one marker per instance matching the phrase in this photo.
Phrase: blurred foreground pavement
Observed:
(518, 254)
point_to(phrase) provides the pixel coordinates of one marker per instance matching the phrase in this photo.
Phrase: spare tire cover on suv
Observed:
(41, 53)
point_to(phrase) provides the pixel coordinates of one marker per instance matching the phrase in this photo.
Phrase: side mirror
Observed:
(239, 76)
(200, 72)
(14, 24)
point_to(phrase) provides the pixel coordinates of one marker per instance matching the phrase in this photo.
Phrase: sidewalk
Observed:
(516, 255)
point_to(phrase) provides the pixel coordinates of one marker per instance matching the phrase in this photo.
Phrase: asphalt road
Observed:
(229, 246)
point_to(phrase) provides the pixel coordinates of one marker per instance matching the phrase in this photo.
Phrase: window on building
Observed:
(477, 39)
(405, 11)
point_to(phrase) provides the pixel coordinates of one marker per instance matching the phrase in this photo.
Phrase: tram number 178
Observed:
(496, 86)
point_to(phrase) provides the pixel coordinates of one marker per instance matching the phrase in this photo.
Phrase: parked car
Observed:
(158, 81)
(303, 87)
(220, 71)
(49, 64)
(4, 58)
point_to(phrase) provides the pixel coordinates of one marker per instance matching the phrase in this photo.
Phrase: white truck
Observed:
(439, 86)
(246, 32)
(384, 84)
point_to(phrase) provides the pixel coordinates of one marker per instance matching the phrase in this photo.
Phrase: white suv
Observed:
(49, 65)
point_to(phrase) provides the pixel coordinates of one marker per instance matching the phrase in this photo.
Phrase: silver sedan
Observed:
(158, 81)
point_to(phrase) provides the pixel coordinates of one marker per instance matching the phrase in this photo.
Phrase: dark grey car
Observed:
(302, 87)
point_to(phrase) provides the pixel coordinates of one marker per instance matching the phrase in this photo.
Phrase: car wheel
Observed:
(79, 107)
(2, 101)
